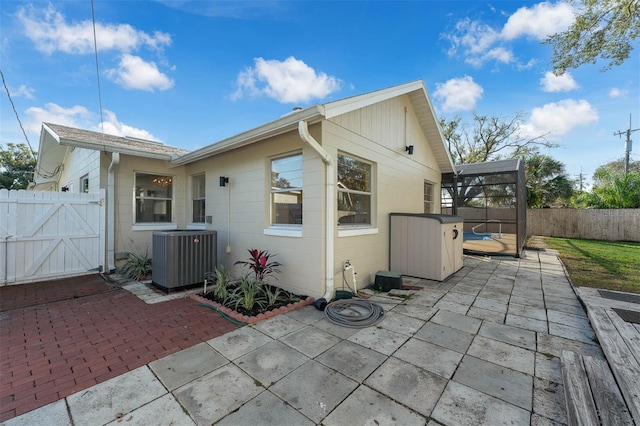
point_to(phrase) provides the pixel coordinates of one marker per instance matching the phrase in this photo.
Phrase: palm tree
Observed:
(547, 181)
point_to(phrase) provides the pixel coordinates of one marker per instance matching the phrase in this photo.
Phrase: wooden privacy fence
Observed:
(47, 235)
(591, 224)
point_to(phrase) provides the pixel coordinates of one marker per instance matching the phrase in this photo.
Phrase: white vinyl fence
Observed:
(48, 235)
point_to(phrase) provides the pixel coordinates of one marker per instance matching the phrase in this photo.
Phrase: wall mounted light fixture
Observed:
(409, 149)
(224, 180)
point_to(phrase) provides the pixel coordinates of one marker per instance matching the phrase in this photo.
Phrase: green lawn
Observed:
(611, 265)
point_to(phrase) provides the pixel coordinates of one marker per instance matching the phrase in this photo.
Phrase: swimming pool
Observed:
(475, 236)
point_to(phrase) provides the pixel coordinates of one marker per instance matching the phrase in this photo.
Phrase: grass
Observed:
(612, 265)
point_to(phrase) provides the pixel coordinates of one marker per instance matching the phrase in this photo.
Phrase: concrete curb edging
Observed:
(252, 319)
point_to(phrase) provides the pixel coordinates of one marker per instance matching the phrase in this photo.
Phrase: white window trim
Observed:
(196, 224)
(355, 232)
(284, 231)
(349, 230)
(154, 226)
(432, 203)
(160, 226)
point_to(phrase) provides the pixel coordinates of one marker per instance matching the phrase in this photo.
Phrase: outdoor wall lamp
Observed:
(224, 180)
(409, 149)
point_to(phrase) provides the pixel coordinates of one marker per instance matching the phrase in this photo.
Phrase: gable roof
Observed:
(69, 136)
(56, 139)
(415, 90)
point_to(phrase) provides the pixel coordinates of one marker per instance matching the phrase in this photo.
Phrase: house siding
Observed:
(398, 178)
(80, 162)
(248, 170)
(140, 241)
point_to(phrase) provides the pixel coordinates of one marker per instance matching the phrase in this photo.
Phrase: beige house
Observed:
(315, 186)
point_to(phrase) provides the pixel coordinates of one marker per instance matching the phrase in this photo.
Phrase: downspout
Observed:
(303, 130)
(111, 211)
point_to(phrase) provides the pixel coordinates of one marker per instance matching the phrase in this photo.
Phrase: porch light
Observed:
(224, 180)
(409, 149)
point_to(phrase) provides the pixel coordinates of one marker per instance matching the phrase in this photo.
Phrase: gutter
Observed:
(111, 212)
(303, 130)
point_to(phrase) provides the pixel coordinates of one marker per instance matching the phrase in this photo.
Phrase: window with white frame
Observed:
(354, 191)
(286, 190)
(197, 198)
(428, 197)
(84, 184)
(153, 198)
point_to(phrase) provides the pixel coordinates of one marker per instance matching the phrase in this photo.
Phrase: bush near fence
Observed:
(591, 224)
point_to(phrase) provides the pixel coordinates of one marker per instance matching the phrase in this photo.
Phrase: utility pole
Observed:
(581, 178)
(627, 150)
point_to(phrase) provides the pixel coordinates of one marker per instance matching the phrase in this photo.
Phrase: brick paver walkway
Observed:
(55, 343)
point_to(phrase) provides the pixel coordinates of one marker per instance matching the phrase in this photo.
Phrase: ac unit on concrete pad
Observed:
(182, 258)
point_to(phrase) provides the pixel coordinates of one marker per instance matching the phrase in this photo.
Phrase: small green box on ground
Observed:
(387, 280)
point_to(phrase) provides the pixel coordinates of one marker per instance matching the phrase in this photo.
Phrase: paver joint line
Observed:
(426, 360)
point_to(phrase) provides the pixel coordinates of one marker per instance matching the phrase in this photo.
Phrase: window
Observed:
(197, 198)
(428, 197)
(154, 198)
(286, 190)
(354, 191)
(84, 184)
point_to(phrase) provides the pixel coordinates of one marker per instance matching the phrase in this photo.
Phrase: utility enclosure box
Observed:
(181, 258)
(425, 245)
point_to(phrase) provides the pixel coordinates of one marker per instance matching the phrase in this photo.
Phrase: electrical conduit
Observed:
(303, 130)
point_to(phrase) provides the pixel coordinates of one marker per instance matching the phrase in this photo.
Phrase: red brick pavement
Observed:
(49, 350)
(20, 296)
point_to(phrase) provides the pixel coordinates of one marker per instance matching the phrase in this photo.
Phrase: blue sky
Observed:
(192, 73)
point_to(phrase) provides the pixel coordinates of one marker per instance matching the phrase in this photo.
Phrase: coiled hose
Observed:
(354, 313)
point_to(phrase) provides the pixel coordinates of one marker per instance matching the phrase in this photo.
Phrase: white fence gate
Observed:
(48, 235)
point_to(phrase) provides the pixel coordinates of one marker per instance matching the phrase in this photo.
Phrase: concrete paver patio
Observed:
(479, 348)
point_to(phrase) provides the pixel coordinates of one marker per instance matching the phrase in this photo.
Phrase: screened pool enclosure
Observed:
(492, 199)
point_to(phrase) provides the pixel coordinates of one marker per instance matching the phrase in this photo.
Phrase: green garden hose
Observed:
(225, 316)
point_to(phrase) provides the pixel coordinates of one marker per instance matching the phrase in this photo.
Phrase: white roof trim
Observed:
(282, 125)
(333, 109)
(326, 111)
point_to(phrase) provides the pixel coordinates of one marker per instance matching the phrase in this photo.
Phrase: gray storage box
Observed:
(425, 245)
(181, 258)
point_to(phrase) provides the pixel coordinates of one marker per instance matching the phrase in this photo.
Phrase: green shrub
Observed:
(137, 266)
(247, 295)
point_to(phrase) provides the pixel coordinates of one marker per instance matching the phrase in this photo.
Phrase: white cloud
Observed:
(50, 32)
(558, 118)
(287, 81)
(558, 83)
(136, 73)
(479, 43)
(458, 94)
(614, 92)
(75, 116)
(540, 21)
(23, 92)
(476, 42)
(80, 117)
(113, 127)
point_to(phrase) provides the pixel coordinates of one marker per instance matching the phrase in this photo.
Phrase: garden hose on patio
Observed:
(354, 313)
(225, 316)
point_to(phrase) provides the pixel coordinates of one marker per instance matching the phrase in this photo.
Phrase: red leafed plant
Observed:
(259, 264)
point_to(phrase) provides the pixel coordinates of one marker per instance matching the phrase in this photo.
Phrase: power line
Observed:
(95, 49)
(4, 83)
